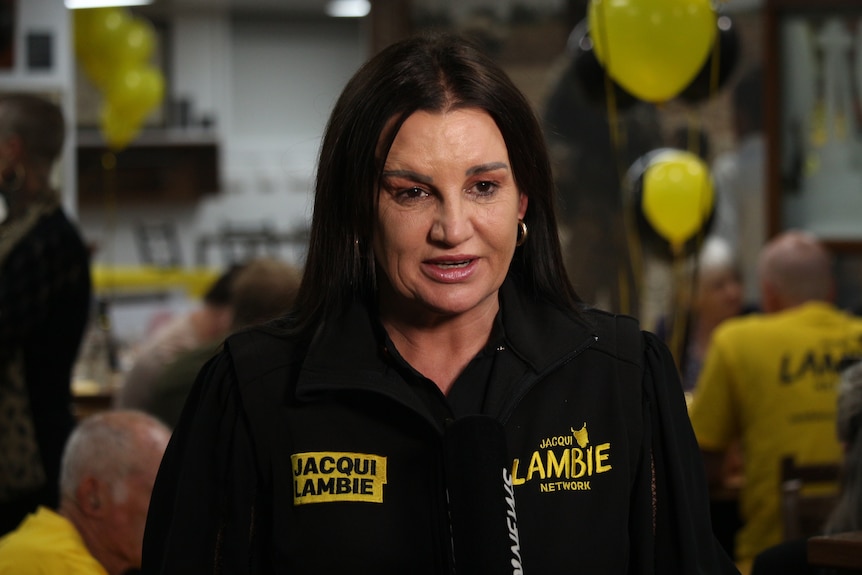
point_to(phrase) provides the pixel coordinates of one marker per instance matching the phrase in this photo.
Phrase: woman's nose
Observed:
(452, 223)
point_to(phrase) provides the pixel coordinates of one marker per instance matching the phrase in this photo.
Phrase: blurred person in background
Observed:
(847, 515)
(740, 182)
(264, 289)
(206, 324)
(717, 296)
(109, 467)
(791, 557)
(45, 295)
(770, 381)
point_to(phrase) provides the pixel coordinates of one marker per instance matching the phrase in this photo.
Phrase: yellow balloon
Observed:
(677, 196)
(118, 129)
(652, 48)
(99, 70)
(107, 31)
(136, 90)
(136, 46)
(84, 21)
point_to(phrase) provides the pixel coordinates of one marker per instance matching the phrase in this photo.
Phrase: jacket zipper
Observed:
(515, 400)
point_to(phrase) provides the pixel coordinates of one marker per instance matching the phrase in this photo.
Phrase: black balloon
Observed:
(590, 74)
(726, 50)
(651, 239)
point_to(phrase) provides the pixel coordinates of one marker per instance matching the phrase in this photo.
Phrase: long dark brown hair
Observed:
(434, 73)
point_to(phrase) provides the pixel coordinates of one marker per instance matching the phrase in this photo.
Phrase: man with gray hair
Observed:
(770, 380)
(108, 469)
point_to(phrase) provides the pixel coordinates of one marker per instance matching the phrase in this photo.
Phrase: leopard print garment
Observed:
(21, 467)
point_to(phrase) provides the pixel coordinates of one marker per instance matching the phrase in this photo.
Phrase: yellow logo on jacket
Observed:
(569, 469)
(327, 476)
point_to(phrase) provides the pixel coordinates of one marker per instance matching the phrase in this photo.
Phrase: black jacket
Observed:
(45, 295)
(319, 458)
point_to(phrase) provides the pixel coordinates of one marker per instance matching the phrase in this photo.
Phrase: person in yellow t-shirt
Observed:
(108, 469)
(770, 380)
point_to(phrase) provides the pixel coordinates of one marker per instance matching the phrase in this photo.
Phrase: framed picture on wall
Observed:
(7, 34)
(814, 118)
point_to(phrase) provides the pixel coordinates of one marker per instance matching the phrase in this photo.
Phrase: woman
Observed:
(717, 296)
(436, 356)
(44, 304)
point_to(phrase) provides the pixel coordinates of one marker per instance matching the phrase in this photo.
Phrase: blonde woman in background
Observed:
(717, 295)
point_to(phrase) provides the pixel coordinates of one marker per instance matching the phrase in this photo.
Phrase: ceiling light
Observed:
(348, 8)
(76, 4)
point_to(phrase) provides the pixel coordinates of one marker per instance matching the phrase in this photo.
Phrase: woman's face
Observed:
(447, 216)
(719, 294)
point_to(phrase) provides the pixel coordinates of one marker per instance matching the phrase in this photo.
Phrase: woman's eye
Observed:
(485, 188)
(412, 193)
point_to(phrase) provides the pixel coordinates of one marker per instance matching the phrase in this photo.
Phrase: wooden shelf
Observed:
(162, 167)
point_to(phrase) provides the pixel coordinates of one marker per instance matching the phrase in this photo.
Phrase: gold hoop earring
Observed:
(522, 233)
(16, 183)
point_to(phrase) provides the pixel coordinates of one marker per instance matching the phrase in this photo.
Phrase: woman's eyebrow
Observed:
(410, 175)
(490, 167)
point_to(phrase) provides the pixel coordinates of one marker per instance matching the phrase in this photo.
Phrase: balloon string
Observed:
(109, 194)
(633, 273)
(716, 64)
(679, 313)
(634, 248)
(715, 70)
(694, 127)
(705, 207)
(685, 283)
(628, 301)
(695, 124)
(610, 93)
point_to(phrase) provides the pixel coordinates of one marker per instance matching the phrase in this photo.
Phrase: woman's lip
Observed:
(443, 270)
(450, 259)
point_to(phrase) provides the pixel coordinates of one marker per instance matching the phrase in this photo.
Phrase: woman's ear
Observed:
(522, 205)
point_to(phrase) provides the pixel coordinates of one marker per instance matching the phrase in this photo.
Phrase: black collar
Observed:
(347, 352)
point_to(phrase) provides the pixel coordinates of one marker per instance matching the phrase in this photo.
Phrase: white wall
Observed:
(286, 77)
(51, 17)
(269, 83)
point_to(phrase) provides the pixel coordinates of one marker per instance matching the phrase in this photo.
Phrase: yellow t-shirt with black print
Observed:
(772, 380)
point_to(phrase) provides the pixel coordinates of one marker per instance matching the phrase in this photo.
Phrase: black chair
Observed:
(159, 244)
(804, 512)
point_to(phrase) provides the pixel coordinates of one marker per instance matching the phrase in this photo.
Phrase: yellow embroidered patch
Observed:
(327, 476)
(560, 460)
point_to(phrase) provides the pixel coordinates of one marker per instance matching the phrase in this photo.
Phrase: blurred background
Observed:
(229, 100)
